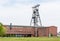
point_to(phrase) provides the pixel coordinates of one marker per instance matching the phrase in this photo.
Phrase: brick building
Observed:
(29, 31)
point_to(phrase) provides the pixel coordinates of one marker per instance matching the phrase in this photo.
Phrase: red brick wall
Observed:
(45, 31)
(53, 30)
(42, 31)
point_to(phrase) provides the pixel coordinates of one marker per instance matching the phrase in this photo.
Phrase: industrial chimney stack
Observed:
(10, 26)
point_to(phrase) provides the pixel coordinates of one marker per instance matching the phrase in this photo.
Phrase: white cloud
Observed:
(16, 15)
(21, 13)
(50, 14)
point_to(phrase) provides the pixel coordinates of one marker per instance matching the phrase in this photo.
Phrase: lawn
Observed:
(29, 39)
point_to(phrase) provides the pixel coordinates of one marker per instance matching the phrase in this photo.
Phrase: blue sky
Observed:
(19, 12)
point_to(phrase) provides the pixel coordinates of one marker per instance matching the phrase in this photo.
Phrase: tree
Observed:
(2, 30)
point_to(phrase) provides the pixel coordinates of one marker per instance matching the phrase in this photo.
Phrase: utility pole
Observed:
(36, 21)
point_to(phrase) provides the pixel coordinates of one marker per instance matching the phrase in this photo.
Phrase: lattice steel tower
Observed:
(36, 21)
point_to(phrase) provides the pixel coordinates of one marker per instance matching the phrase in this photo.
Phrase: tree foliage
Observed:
(2, 29)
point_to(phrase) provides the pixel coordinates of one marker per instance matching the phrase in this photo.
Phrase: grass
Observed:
(29, 39)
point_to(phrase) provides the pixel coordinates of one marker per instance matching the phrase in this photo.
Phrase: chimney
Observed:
(10, 26)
